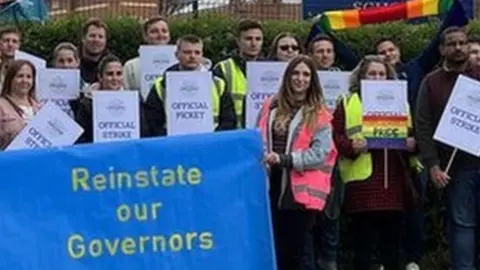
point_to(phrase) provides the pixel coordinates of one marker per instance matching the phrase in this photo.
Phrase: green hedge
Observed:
(125, 34)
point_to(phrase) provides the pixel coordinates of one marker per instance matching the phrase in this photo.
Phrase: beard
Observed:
(458, 60)
(93, 53)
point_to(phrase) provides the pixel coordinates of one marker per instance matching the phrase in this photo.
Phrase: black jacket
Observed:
(157, 119)
(89, 67)
(84, 117)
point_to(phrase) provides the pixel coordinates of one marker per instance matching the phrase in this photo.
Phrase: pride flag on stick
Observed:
(385, 132)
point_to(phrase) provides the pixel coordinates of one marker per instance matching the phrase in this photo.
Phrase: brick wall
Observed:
(145, 8)
(99, 8)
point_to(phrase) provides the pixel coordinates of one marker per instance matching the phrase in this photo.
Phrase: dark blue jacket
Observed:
(413, 71)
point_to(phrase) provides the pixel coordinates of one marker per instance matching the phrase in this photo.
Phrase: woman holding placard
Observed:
(375, 209)
(110, 78)
(17, 100)
(66, 56)
(285, 47)
(300, 155)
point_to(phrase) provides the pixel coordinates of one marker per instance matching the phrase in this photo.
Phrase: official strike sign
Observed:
(459, 125)
(125, 206)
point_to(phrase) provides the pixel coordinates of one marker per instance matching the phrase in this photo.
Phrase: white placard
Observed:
(116, 115)
(334, 84)
(263, 81)
(459, 125)
(154, 59)
(38, 62)
(189, 102)
(388, 97)
(49, 128)
(58, 86)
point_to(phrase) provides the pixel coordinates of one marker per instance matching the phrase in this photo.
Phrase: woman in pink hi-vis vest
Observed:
(300, 155)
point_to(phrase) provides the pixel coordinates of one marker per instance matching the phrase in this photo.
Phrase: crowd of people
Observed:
(319, 164)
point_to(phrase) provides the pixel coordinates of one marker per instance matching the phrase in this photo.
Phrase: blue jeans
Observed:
(415, 222)
(464, 209)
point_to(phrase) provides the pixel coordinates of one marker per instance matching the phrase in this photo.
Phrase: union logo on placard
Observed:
(385, 98)
(116, 107)
(56, 128)
(189, 88)
(57, 85)
(473, 100)
(269, 79)
(331, 84)
(161, 60)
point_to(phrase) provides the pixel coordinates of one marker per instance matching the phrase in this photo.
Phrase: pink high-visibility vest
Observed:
(311, 187)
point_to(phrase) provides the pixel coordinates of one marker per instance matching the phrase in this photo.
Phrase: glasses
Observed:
(373, 57)
(286, 47)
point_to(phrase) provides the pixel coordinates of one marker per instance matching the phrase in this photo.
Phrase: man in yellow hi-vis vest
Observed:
(249, 35)
(190, 58)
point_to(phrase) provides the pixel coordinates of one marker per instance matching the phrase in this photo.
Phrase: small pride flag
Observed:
(385, 132)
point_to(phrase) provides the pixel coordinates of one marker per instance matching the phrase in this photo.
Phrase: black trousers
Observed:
(381, 229)
(289, 229)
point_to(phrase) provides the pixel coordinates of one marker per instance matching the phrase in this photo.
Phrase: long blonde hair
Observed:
(286, 96)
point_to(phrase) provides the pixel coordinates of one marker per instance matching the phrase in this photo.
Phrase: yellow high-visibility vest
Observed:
(237, 85)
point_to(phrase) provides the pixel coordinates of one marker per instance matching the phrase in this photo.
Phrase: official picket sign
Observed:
(50, 127)
(459, 125)
(146, 204)
(334, 84)
(264, 80)
(116, 115)
(38, 63)
(154, 60)
(385, 113)
(58, 86)
(189, 102)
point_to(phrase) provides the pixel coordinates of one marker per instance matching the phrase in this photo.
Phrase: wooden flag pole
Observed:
(385, 157)
(450, 161)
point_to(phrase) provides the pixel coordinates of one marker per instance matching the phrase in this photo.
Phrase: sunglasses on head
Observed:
(286, 47)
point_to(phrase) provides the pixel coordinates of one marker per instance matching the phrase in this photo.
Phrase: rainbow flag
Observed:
(388, 132)
(353, 18)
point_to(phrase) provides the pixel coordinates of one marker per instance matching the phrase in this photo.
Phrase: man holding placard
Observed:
(156, 35)
(456, 170)
(249, 37)
(190, 58)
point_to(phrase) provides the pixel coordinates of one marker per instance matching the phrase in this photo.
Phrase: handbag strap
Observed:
(17, 108)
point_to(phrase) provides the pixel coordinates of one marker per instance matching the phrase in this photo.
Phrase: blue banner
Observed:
(181, 203)
(312, 8)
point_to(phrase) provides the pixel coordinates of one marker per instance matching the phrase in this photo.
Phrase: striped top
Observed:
(353, 18)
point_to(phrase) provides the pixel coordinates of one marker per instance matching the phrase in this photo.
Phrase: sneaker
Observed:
(412, 266)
